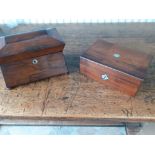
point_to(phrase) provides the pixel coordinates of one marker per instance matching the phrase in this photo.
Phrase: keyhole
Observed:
(104, 77)
(116, 55)
(34, 61)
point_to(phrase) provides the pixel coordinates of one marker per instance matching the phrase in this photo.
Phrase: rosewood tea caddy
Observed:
(31, 56)
(114, 66)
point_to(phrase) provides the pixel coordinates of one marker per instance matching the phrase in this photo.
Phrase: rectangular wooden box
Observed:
(31, 56)
(119, 68)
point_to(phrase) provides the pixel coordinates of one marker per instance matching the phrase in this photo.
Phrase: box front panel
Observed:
(34, 69)
(109, 76)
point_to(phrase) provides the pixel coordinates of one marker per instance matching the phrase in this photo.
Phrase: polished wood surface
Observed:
(24, 36)
(30, 45)
(124, 69)
(31, 56)
(118, 80)
(24, 71)
(75, 97)
(130, 61)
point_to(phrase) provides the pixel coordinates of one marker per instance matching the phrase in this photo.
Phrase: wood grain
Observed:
(76, 97)
(24, 36)
(132, 62)
(18, 52)
(24, 71)
(125, 69)
(116, 79)
(30, 45)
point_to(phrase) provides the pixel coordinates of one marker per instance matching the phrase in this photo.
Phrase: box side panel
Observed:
(30, 70)
(109, 76)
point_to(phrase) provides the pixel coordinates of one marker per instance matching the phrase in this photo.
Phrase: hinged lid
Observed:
(131, 62)
(29, 45)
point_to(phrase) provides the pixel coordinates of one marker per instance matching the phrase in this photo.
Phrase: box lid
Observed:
(131, 62)
(29, 45)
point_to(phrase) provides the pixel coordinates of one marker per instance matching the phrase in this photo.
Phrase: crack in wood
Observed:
(46, 97)
(149, 99)
(45, 101)
(127, 112)
(129, 99)
(70, 105)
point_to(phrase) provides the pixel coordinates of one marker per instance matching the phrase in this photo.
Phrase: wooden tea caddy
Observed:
(119, 68)
(31, 56)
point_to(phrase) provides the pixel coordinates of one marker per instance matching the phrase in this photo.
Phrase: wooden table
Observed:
(75, 99)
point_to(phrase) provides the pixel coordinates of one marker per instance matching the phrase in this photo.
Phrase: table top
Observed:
(74, 96)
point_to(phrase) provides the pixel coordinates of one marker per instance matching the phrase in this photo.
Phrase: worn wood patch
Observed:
(76, 97)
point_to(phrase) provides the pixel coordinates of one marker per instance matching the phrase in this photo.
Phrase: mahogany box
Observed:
(31, 56)
(114, 66)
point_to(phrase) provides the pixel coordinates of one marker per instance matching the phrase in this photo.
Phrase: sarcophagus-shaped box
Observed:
(32, 56)
(119, 68)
